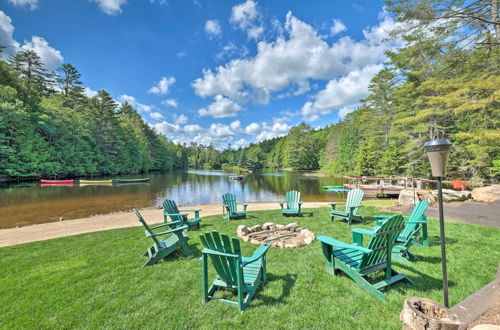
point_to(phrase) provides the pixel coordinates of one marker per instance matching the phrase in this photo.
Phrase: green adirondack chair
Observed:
(230, 207)
(293, 204)
(170, 210)
(162, 248)
(352, 205)
(357, 261)
(233, 271)
(416, 223)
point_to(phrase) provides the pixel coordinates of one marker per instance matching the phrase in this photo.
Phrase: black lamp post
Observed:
(438, 151)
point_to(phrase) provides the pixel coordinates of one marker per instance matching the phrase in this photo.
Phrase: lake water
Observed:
(29, 203)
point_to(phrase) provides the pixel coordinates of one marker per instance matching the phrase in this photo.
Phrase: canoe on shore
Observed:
(96, 181)
(132, 180)
(57, 181)
(335, 188)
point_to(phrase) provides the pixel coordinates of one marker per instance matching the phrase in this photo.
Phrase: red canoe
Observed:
(56, 181)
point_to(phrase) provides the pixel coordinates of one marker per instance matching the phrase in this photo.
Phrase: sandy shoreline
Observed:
(45, 231)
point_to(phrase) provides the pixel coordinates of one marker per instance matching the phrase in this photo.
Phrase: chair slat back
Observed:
(293, 199)
(229, 200)
(354, 198)
(416, 215)
(171, 207)
(381, 243)
(148, 230)
(226, 267)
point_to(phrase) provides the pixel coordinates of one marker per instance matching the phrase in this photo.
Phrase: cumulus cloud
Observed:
(50, 56)
(340, 93)
(180, 119)
(245, 16)
(31, 4)
(111, 7)
(89, 92)
(222, 107)
(166, 128)
(293, 59)
(192, 129)
(241, 143)
(134, 103)
(272, 131)
(170, 102)
(212, 28)
(253, 129)
(6, 38)
(337, 27)
(157, 116)
(163, 86)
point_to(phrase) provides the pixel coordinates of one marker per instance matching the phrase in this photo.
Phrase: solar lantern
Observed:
(438, 152)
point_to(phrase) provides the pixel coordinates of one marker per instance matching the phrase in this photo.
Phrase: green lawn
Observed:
(95, 280)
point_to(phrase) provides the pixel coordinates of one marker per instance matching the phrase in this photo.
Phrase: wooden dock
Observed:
(375, 186)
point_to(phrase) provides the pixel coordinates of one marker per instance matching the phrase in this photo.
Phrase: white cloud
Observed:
(134, 103)
(157, 116)
(253, 129)
(341, 93)
(241, 143)
(270, 132)
(337, 27)
(221, 108)
(245, 16)
(292, 60)
(6, 39)
(32, 4)
(193, 129)
(89, 92)
(170, 102)
(212, 28)
(111, 7)
(163, 86)
(50, 56)
(166, 128)
(180, 119)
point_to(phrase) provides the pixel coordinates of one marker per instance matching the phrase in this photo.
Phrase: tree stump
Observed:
(420, 313)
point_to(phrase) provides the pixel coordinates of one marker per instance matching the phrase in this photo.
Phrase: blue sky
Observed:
(212, 72)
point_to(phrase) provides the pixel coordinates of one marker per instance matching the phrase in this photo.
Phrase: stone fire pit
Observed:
(283, 236)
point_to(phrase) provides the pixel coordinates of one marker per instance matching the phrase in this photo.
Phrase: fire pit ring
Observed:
(282, 236)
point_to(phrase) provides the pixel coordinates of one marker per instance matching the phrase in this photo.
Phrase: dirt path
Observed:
(41, 232)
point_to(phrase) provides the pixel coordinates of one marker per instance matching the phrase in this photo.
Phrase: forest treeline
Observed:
(443, 83)
(49, 128)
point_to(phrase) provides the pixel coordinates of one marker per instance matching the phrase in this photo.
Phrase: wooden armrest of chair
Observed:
(257, 254)
(167, 231)
(165, 224)
(340, 244)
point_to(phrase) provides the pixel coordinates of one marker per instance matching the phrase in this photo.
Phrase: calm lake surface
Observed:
(29, 203)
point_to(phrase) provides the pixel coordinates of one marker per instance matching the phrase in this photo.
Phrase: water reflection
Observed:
(29, 203)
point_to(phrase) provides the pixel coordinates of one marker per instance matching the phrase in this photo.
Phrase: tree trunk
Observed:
(495, 17)
(420, 313)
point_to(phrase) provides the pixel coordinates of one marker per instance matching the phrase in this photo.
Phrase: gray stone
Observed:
(268, 226)
(406, 197)
(255, 228)
(242, 230)
(453, 195)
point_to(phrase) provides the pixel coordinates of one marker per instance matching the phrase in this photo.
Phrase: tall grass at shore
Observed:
(96, 280)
